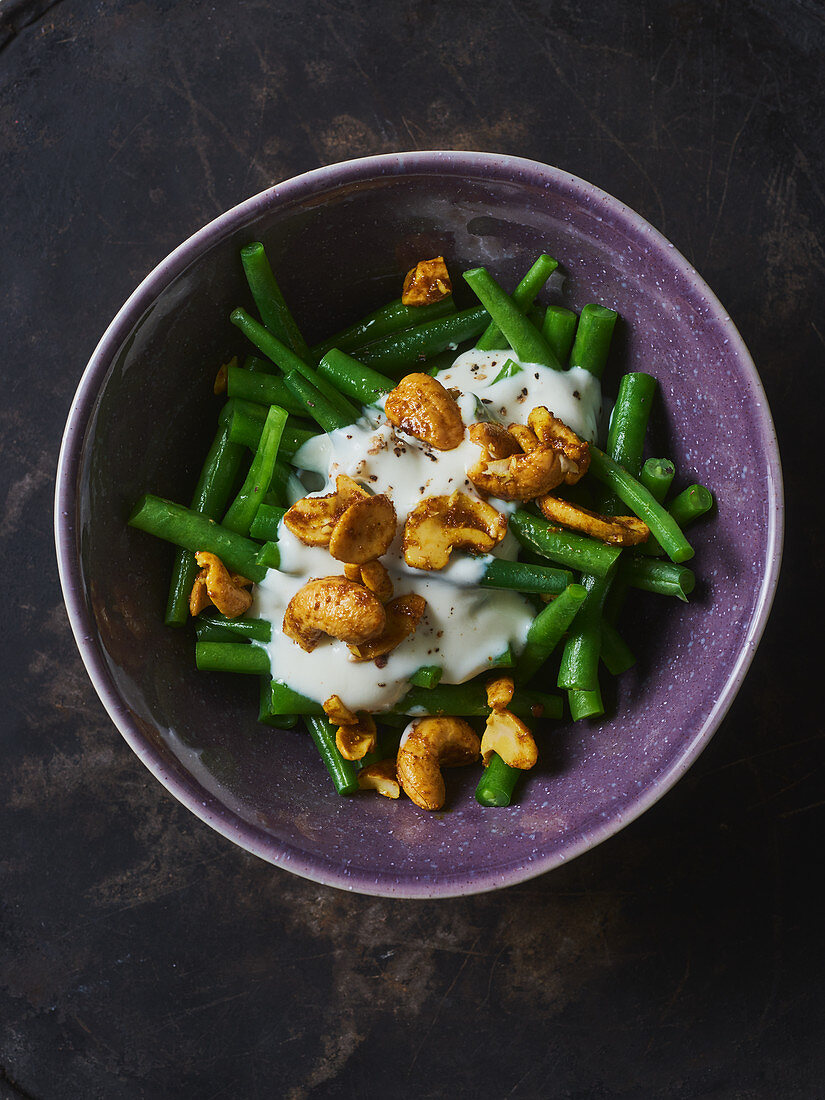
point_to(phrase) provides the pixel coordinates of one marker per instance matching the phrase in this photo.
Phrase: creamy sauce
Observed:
(465, 627)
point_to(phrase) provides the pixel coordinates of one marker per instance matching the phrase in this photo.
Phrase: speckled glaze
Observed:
(339, 238)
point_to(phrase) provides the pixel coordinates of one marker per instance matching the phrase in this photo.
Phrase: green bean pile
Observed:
(276, 403)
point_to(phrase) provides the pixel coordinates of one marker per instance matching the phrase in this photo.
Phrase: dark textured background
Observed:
(142, 955)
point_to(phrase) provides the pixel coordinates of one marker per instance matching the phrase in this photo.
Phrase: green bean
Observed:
(495, 788)
(547, 630)
(266, 522)
(286, 359)
(524, 338)
(523, 296)
(656, 476)
(564, 547)
(585, 704)
(388, 742)
(427, 676)
(662, 525)
(628, 424)
(269, 555)
(247, 422)
(315, 404)
(523, 577)
(257, 630)
(411, 347)
(258, 365)
(262, 389)
(690, 504)
(394, 317)
(580, 658)
(193, 531)
(342, 772)
(351, 377)
(243, 508)
(282, 699)
(593, 336)
(470, 700)
(273, 309)
(615, 652)
(662, 577)
(216, 481)
(558, 329)
(231, 657)
(509, 370)
(283, 721)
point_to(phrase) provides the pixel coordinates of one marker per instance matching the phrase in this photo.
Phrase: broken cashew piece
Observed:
(574, 453)
(214, 584)
(380, 777)
(374, 576)
(500, 692)
(442, 524)
(355, 740)
(403, 616)
(615, 530)
(427, 282)
(420, 406)
(428, 745)
(338, 712)
(508, 736)
(333, 606)
(364, 531)
(313, 519)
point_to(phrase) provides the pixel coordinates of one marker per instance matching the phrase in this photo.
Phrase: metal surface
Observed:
(143, 956)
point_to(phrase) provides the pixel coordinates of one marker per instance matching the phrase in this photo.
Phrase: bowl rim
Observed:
(190, 793)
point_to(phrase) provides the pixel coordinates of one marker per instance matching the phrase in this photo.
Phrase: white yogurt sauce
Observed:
(465, 627)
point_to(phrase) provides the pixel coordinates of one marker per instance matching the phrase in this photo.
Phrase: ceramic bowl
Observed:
(339, 239)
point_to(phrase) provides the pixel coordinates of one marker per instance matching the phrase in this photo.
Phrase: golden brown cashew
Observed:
(615, 530)
(420, 406)
(403, 616)
(312, 519)
(338, 712)
(355, 740)
(216, 585)
(364, 531)
(554, 434)
(334, 606)
(427, 282)
(508, 736)
(442, 524)
(428, 745)
(374, 576)
(380, 777)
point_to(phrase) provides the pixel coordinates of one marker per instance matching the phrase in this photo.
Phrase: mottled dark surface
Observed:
(141, 955)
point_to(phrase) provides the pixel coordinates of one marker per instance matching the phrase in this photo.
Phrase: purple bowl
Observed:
(339, 238)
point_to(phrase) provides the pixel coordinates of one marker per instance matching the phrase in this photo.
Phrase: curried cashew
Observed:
(374, 576)
(403, 616)
(381, 777)
(428, 745)
(422, 407)
(427, 282)
(364, 531)
(524, 437)
(355, 740)
(312, 519)
(442, 524)
(495, 439)
(553, 433)
(227, 591)
(615, 530)
(333, 606)
(508, 736)
(499, 692)
(338, 712)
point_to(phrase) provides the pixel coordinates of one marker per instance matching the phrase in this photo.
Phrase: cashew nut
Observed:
(312, 519)
(508, 736)
(338, 712)
(380, 777)
(214, 584)
(403, 616)
(422, 407)
(553, 433)
(427, 282)
(428, 745)
(364, 531)
(499, 692)
(355, 740)
(442, 524)
(374, 576)
(333, 606)
(615, 530)
(495, 439)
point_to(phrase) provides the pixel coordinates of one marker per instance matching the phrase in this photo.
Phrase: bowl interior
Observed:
(339, 240)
